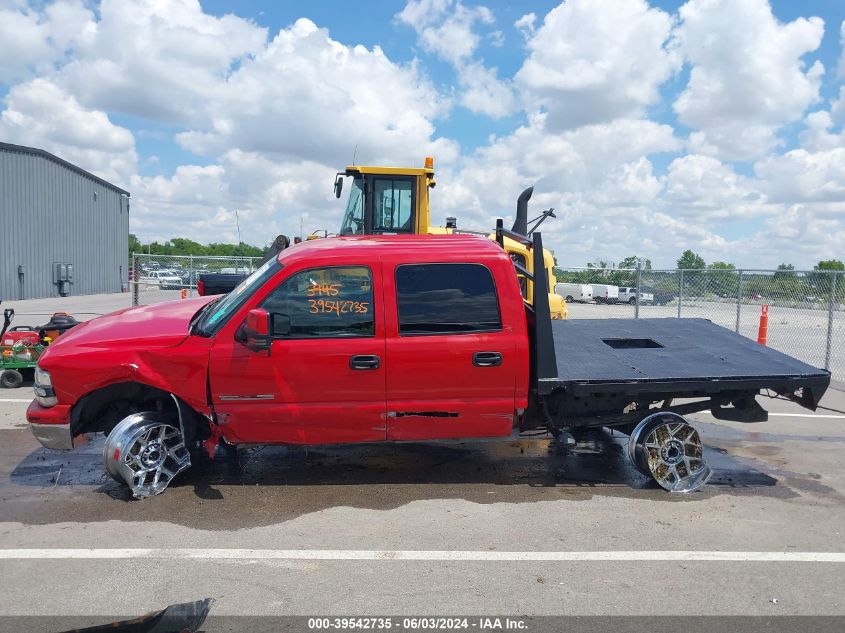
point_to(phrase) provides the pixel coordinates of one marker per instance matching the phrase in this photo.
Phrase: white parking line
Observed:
(809, 415)
(15, 399)
(421, 555)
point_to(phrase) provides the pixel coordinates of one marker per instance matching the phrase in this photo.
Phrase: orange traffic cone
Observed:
(184, 293)
(763, 332)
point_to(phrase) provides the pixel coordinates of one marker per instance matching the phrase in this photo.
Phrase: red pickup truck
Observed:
(368, 339)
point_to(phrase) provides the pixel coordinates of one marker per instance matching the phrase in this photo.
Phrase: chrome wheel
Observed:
(665, 447)
(145, 453)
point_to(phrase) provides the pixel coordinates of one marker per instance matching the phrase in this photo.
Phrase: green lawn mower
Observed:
(22, 346)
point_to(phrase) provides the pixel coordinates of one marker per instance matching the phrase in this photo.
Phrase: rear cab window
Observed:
(453, 298)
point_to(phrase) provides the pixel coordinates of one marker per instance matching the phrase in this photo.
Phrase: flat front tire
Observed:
(145, 452)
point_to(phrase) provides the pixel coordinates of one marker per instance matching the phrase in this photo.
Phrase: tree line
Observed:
(185, 246)
(716, 279)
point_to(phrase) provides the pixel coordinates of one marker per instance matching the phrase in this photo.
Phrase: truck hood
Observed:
(159, 325)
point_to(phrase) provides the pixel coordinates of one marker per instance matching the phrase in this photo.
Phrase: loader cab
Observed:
(386, 200)
(395, 200)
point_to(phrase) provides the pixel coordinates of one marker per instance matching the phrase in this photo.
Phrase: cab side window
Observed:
(393, 205)
(323, 303)
(446, 299)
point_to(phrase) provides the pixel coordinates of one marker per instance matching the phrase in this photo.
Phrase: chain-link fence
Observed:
(806, 308)
(155, 278)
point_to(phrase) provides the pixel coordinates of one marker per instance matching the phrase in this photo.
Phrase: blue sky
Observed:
(652, 127)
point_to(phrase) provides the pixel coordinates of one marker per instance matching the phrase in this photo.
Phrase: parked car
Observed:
(582, 293)
(605, 293)
(662, 297)
(164, 279)
(627, 294)
(238, 270)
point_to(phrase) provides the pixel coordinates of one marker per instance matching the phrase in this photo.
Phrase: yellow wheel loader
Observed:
(394, 200)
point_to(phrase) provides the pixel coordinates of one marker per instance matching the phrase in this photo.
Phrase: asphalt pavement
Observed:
(516, 527)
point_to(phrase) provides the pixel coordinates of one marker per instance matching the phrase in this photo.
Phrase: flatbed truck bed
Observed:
(686, 356)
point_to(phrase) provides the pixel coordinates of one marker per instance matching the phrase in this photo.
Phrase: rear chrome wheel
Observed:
(146, 453)
(665, 447)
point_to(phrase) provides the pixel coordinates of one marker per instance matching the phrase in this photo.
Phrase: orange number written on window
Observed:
(324, 290)
(329, 306)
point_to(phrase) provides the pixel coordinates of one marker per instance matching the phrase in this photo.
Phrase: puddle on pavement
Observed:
(266, 485)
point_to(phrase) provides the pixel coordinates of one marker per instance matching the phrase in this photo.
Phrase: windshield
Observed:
(353, 217)
(218, 312)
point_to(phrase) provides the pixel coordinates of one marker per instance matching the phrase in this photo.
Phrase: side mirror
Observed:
(338, 185)
(254, 333)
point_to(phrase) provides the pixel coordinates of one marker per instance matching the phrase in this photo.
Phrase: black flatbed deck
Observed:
(670, 355)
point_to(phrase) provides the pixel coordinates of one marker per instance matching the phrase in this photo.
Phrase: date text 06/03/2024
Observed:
(427, 623)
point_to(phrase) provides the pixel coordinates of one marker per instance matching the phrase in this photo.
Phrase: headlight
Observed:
(42, 378)
(43, 387)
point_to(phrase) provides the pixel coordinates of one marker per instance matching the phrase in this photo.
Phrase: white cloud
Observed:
(40, 114)
(837, 108)
(748, 77)
(159, 60)
(596, 60)
(447, 29)
(32, 40)
(497, 39)
(806, 176)
(484, 92)
(841, 64)
(307, 96)
(812, 175)
(270, 197)
(701, 189)
(281, 116)
(275, 117)
(597, 177)
(818, 134)
(526, 25)
(799, 235)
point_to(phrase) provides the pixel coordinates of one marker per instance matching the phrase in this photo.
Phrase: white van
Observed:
(582, 293)
(605, 293)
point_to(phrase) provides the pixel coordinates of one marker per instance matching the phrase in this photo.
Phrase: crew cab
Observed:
(392, 338)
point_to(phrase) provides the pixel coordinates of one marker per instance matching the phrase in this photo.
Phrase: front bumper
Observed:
(51, 426)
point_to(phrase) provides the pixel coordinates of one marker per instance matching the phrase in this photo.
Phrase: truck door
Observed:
(323, 380)
(451, 365)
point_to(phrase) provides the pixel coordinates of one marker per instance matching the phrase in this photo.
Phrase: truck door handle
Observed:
(487, 359)
(364, 361)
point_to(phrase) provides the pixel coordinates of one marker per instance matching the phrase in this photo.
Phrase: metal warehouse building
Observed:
(63, 231)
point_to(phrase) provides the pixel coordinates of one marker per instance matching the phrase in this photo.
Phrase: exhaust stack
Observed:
(520, 224)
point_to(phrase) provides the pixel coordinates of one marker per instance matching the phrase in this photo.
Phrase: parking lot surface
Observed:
(505, 527)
